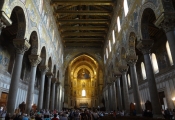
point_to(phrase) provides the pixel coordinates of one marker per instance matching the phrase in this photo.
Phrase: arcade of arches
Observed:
(107, 54)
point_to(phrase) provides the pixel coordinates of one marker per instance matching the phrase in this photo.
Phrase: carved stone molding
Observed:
(58, 83)
(131, 59)
(123, 68)
(49, 74)
(54, 80)
(166, 21)
(117, 74)
(4, 20)
(34, 59)
(145, 45)
(21, 45)
(43, 68)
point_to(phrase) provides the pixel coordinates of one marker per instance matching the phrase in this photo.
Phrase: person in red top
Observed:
(114, 114)
(55, 117)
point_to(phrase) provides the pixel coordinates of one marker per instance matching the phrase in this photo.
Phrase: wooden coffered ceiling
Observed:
(83, 23)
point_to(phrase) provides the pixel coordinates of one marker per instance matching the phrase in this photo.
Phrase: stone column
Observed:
(114, 95)
(109, 97)
(43, 70)
(123, 69)
(21, 46)
(145, 46)
(119, 95)
(34, 60)
(132, 59)
(4, 21)
(167, 21)
(58, 107)
(49, 75)
(56, 95)
(53, 93)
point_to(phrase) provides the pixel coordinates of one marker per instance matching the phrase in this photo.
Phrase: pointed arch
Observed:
(43, 56)
(54, 71)
(34, 43)
(50, 64)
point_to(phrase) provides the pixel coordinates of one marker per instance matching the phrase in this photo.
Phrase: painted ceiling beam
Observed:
(65, 34)
(87, 12)
(81, 2)
(83, 39)
(82, 28)
(87, 21)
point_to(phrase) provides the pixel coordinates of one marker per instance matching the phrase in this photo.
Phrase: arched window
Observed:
(40, 6)
(154, 63)
(113, 36)
(118, 23)
(83, 93)
(143, 71)
(125, 4)
(106, 53)
(109, 46)
(129, 81)
(169, 53)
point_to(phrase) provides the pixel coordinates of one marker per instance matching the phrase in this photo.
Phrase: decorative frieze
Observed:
(21, 45)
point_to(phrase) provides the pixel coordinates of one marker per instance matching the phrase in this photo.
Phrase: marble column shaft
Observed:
(123, 70)
(119, 95)
(49, 75)
(34, 60)
(53, 94)
(115, 97)
(58, 98)
(145, 46)
(21, 46)
(43, 70)
(134, 82)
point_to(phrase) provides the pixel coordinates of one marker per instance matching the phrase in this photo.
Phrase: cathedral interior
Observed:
(107, 54)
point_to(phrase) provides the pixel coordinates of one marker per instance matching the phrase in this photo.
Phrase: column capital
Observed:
(131, 59)
(54, 80)
(145, 45)
(166, 20)
(118, 74)
(21, 45)
(34, 60)
(123, 68)
(43, 68)
(4, 20)
(49, 74)
(58, 83)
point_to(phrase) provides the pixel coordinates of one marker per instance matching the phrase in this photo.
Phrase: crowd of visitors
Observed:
(73, 114)
(77, 114)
